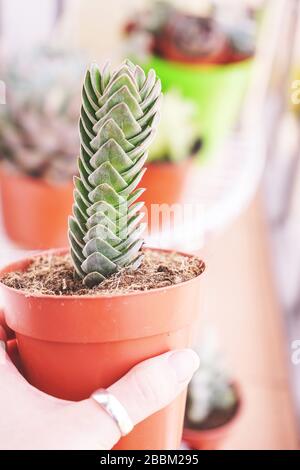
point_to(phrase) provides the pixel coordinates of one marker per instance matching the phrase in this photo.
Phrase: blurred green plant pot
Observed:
(217, 91)
(34, 212)
(213, 438)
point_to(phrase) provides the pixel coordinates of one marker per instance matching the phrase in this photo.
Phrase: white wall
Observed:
(25, 22)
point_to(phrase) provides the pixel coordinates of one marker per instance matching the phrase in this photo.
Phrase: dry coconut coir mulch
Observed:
(54, 275)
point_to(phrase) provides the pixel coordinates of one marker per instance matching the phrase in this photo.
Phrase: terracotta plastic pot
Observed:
(164, 183)
(72, 345)
(212, 439)
(35, 213)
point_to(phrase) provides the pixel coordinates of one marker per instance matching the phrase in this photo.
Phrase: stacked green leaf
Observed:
(119, 115)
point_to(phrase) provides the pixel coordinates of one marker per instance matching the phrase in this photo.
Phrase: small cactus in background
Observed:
(178, 129)
(211, 388)
(119, 116)
(38, 125)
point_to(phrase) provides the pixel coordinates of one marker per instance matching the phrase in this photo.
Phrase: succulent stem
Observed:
(119, 115)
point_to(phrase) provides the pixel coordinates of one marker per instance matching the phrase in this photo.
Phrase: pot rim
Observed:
(208, 66)
(41, 182)
(166, 164)
(10, 268)
(189, 433)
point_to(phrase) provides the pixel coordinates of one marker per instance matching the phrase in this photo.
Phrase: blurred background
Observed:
(228, 150)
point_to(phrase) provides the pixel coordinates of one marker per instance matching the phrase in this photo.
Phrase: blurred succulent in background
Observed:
(211, 388)
(178, 131)
(240, 25)
(38, 125)
(119, 116)
(191, 31)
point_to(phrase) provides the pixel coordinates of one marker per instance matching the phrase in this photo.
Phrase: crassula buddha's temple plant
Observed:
(84, 318)
(119, 115)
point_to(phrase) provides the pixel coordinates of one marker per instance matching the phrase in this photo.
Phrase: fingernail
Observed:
(184, 362)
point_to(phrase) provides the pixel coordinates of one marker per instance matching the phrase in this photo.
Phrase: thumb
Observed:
(145, 389)
(153, 384)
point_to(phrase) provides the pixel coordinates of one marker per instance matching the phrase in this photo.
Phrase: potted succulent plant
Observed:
(38, 144)
(213, 403)
(207, 57)
(84, 317)
(177, 141)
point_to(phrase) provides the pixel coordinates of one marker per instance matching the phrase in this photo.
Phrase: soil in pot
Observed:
(215, 419)
(73, 340)
(53, 274)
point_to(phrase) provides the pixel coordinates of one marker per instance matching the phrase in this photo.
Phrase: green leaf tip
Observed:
(119, 117)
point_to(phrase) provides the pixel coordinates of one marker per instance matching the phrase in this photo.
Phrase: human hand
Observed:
(31, 419)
